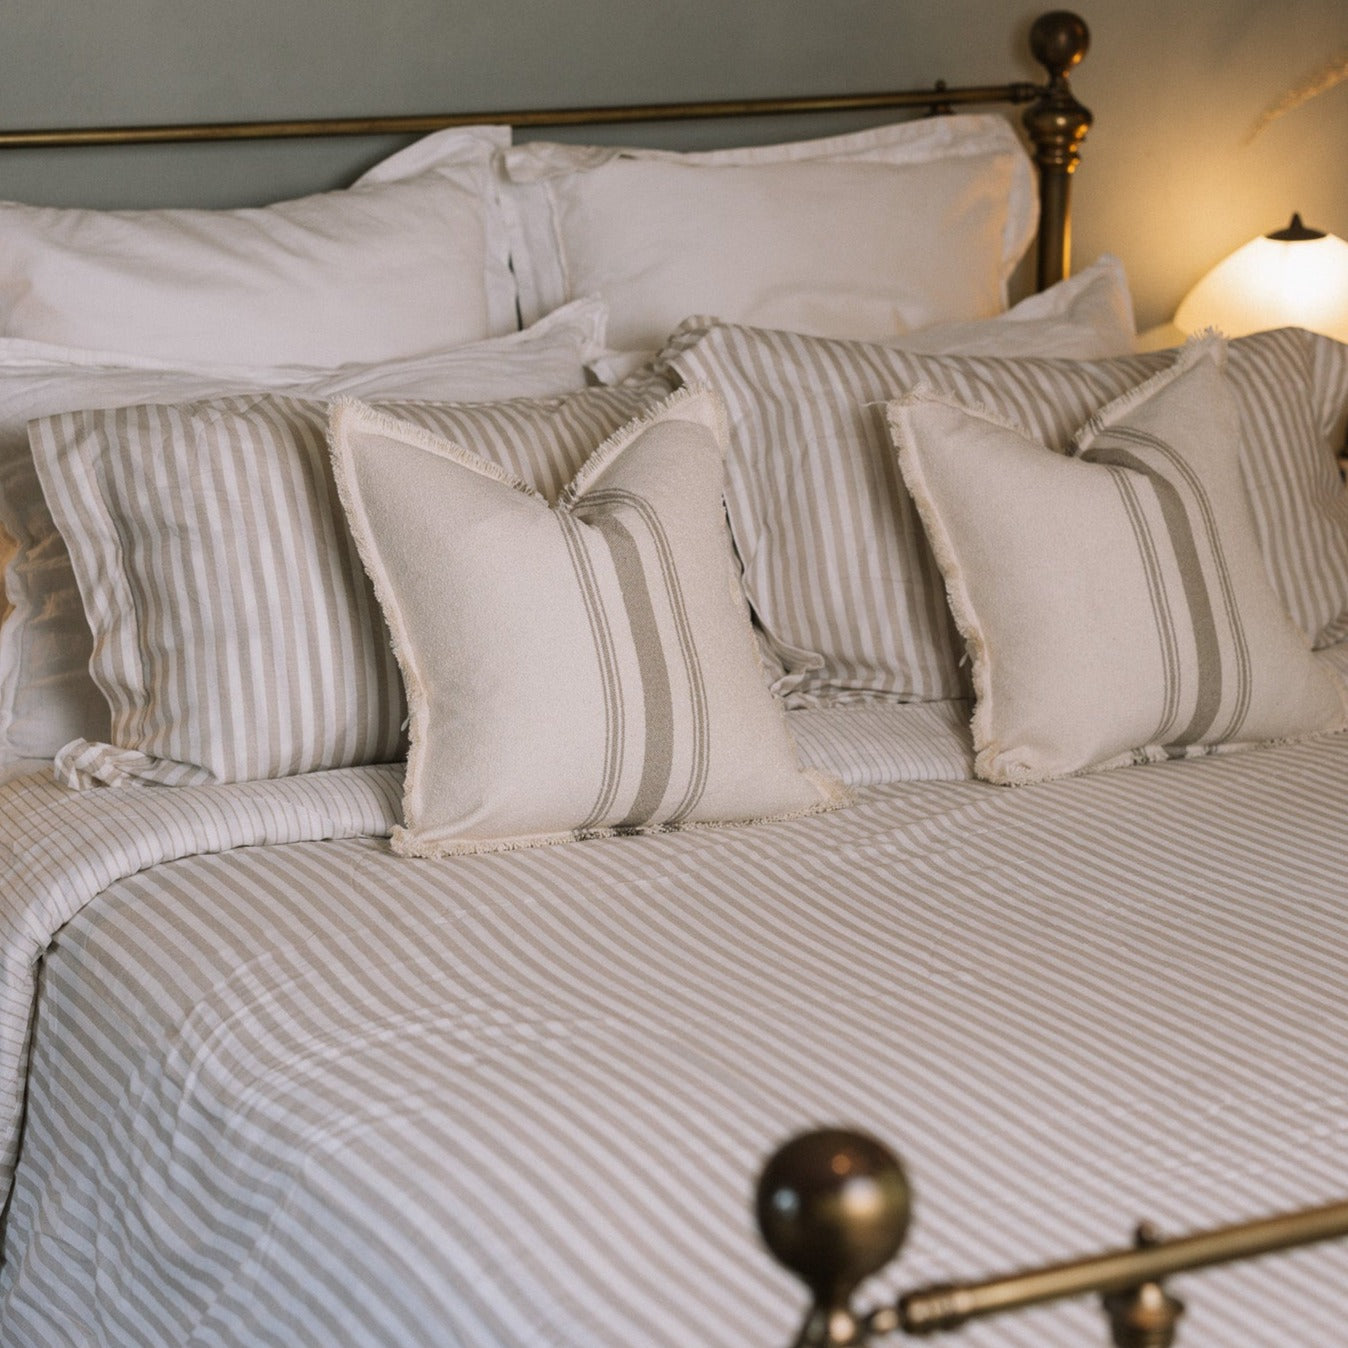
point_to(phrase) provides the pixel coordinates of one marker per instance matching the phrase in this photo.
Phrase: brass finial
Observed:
(1057, 124)
(1059, 40)
(833, 1207)
(1145, 1316)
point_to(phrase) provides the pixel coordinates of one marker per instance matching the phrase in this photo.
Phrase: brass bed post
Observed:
(833, 1206)
(1057, 124)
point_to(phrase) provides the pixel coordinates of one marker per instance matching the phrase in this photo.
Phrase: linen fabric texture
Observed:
(863, 235)
(836, 565)
(1113, 600)
(1330, 382)
(234, 632)
(574, 670)
(402, 263)
(47, 695)
(343, 1051)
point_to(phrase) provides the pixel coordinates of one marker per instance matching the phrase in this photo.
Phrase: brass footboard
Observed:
(833, 1207)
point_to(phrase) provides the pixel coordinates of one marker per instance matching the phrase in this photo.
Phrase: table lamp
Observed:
(1297, 277)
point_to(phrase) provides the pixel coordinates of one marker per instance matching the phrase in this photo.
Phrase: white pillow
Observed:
(1114, 601)
(47, 697)
(574, 670)
(866, 235)
(395, 266)
(1086, 317)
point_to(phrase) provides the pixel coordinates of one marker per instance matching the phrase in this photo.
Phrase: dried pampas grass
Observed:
(1326, 77)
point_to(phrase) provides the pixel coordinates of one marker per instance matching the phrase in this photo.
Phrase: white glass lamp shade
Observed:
(1297, 278)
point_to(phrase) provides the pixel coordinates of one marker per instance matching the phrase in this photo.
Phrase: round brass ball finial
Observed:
(1059, 41)
(833, 1206)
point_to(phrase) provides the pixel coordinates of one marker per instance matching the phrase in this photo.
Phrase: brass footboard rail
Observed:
(1055, 121)
(833, 1207)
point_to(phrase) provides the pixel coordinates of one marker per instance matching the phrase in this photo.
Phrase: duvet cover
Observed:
(266, 1083)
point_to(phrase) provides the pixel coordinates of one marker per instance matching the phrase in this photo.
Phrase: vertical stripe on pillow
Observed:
(836, 564)
(236, 634)
(1114, 602)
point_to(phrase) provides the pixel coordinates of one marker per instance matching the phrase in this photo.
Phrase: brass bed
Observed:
(1056, 122)
(833, 1206)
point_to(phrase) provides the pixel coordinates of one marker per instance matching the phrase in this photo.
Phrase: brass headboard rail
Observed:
(934, 97)
(1055, 121)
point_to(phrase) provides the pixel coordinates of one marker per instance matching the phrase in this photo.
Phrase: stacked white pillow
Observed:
(867, 235)
(411, 259)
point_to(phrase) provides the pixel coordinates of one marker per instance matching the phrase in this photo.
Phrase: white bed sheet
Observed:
(310, 1092)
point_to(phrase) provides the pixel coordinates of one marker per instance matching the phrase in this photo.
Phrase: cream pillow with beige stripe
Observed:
(836, 567)
(1114, 601)
(575, 670)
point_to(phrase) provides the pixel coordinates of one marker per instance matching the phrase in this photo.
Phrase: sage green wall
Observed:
(1170, 181)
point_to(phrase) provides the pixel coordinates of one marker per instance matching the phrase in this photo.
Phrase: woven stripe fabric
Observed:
(573, 669)
(1113, 601)
(836, 565)
(236, 636)
(312, 1092)
(1331, 393)
(47, 698)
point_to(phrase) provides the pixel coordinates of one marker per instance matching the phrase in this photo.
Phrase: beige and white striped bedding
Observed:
(308, 1092)
(836, 564)
(204, 683)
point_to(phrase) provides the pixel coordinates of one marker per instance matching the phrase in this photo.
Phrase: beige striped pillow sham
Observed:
(1114, 601)
(836, 565)
(573, 671)
(1331, 398)
(235, 633)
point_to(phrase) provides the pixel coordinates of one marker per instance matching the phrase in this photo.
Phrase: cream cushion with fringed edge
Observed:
(573, 670)
(1114, 600)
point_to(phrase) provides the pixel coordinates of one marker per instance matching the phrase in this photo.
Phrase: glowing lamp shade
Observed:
(1295, 278)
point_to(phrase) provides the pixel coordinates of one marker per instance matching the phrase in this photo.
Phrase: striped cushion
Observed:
(47, 697)
(573, 671)
(236, 636)
(1331, 400)
(835, 562)
(1114, 602)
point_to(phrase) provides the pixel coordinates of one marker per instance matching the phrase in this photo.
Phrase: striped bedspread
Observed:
(284, 1088)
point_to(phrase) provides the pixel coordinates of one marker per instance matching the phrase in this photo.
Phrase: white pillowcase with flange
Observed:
(865, 235)
(400, 264)
(574, 670)
(1114, 601)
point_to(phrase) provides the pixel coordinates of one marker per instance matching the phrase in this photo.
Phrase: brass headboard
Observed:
(1055, 121)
